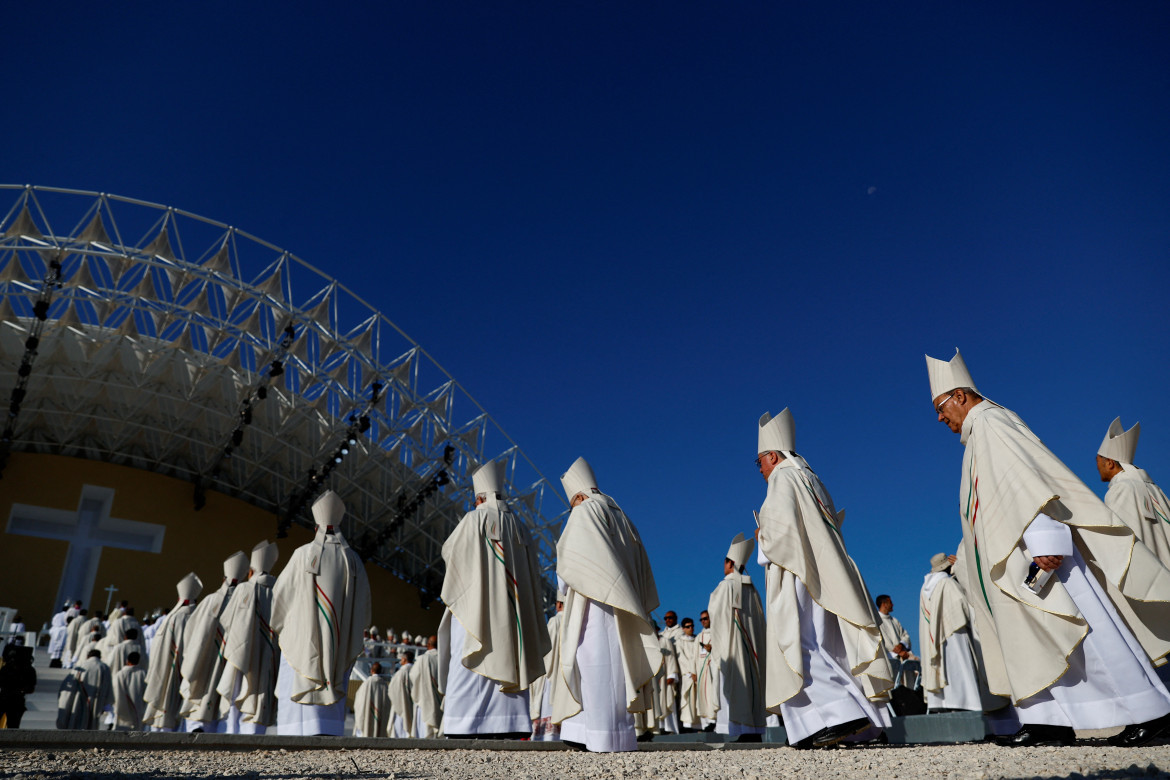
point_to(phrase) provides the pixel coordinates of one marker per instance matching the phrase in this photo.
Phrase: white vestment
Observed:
(305, 719)
(247, 687)
(604, 724)
(737, 628)
(687, 648)
(1110, 680)
(401, 723)
(203, 660)
(371, 707)
(73, 636)
(825, 659)
(830, 695)
(708, 683)
(542, 692)
(426, 695)
(116, 633)
(609, 651)
(129, 707)
(1134, 497)
(320, 603)
(163, 697)
(472, 703)
(492, 637)
(86, 692)
(148, 632)
(119, 653)
(80, 642)
(893, 633)
(58, 633)
(950, 673)
(1019, 501)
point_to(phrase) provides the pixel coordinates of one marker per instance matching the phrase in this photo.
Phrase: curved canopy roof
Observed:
(147, 336)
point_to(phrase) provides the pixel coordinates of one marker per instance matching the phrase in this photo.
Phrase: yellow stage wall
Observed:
(30, 567)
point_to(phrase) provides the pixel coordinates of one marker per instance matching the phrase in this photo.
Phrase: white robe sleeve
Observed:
(1046, 536)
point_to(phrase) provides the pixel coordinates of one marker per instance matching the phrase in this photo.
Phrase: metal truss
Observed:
(166, 325)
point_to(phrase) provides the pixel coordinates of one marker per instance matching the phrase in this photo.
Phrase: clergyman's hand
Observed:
(1048, 562)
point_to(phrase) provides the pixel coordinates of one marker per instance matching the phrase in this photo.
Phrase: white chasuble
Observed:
(371, 707)
(203, 658)
(427, 695)
(85, 693)
(606, 571)
(1009, 478)
(129, 706)
(492, 585)
(800, 545)
(320, 604)
(949, 669)
(708, 684)
(163, 679)
(1142, 505)
(687, 648)
(738, 631)
(58, 633)
(401, 723)
(247, 687)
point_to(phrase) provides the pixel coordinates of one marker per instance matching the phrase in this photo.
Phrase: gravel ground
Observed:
(947, 761)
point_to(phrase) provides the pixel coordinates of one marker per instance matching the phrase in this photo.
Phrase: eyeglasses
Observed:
(705, 620)
(688, 625)
(950, 395)
(759, 458)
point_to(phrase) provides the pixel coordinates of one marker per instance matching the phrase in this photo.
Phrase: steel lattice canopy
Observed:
(158, 351)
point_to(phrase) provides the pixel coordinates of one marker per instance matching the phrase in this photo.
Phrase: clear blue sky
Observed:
(630, 229)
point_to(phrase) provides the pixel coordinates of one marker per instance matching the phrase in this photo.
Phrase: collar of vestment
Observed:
(1130, 471)
(972, 416)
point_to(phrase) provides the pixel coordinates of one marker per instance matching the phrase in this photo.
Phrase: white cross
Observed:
(87, 530)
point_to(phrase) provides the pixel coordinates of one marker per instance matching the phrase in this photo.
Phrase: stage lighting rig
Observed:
(50, 284)
(245, 412)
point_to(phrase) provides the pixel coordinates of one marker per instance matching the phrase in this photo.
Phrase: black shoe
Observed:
(880, 739)
(831, 735)
(1132, 736)
(1034, 734)
(647, 737)
(750, 738)
(576, 745)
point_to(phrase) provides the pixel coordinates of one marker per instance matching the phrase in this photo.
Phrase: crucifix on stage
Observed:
(88, 529)
(110, 591)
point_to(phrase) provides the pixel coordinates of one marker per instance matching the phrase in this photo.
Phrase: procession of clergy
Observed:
(1053, 615)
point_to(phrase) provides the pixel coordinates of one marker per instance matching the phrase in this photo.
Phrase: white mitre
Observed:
(579, 479)
(777, 434)
(236, 567)
(488, 479)
(1119, 444)
(840, 518)
(264, 555)
(328, 509)
(189, 587)
(740, 550)
(946, 376)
